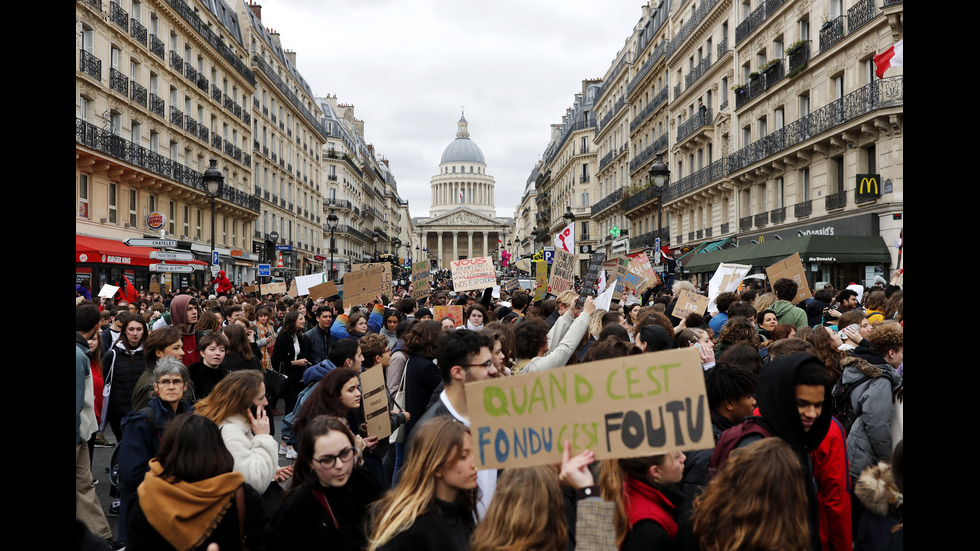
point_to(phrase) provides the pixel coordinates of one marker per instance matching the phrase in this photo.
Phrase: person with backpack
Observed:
(793, 393)
(142, 430)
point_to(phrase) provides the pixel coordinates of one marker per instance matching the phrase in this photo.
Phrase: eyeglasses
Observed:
(170, 382)
(487, 364)
(330, 461)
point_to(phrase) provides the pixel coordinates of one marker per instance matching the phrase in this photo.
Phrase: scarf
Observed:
(643, 501)
(185, 513)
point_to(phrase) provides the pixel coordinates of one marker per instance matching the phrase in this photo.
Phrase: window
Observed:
(839, 86)
(115, 123)
(836, 174)
(804, 184)
(173, 151)
(804, 29)
(869, 159)
(804, 105)
(135, 133)
(224, 230)
(88, 38)
(780, 118)
(763, 128)
(83, 108)
(187, 220)
(869, 70)
(172, 221)
(200, 218)
(777, 48)
(746, 135)
(780, 189)
(83, 211)
(113, 203)
(836, 8)
(133, 196)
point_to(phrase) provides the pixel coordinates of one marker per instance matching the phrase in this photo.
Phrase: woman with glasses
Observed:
(327, 503)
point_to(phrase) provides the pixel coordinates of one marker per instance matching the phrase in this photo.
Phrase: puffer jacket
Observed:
(126, 366)
(869, 440)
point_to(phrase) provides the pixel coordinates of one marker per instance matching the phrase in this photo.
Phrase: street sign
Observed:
(140, 242)
(656, 254)
(549, 256)
(284, 247)
(169, 255)
(172, 268)
(265, 270)
(214, 258)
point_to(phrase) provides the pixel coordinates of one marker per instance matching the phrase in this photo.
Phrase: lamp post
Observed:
(375, 237)
(568, 216)
(534, 241)
(332, 225)
(396, 243)
(660, 178)
(213, 182)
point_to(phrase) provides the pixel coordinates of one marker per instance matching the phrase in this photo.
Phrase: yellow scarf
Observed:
(185, 513)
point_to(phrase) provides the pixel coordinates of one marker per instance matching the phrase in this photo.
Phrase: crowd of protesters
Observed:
(806, 403)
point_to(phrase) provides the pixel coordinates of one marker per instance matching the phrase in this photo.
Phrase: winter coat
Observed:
(445, 525)
(318, 342)
(129, 365)
(566, 347)
(833, 489)
(255, 456)
(870, 439)
(339, 330)
(884, 505)
(284, 353)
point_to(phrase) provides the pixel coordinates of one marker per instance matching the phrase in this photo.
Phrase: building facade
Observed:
(463, 221)
(160, 89)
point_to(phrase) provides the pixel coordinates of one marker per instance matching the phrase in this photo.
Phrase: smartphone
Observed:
(255, 410)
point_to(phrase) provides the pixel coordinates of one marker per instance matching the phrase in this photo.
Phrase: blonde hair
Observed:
(595, 323)
(438, 444)
(764, 302)
(527, 513)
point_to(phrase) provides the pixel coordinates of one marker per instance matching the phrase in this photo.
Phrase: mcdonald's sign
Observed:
(867, 187)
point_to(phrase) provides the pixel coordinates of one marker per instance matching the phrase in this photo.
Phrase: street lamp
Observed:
(660, 178)
(568, 216)
(375, 237)
(534, 239)
(332, 225)
(213, 182)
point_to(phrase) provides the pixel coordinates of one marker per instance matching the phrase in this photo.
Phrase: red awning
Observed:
(109, 251)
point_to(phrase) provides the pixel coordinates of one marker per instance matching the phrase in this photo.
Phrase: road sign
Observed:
(284, 247)
(172, 268)
(140, 242)
(214, 258)
(169, 255)
(265, 270)
(549, 256)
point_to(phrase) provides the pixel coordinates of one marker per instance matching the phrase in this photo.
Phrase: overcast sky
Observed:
(409, 65)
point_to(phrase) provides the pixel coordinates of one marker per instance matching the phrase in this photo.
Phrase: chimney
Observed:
(291, 56)
(256, 9)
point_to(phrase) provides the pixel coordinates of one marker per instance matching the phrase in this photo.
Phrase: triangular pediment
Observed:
(461, 216)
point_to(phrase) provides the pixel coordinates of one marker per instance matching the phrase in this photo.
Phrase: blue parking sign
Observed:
(265, 270)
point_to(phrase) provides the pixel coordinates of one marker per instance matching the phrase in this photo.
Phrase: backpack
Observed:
(730, 439)
(841, 406)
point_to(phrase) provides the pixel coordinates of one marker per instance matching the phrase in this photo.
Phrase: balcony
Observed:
(699, 119)
(860, 13)
(216, 141)
(176, 62)
(696, 72)
(332, 177)
(645, 113)
(767, 78)
(607, 201)
(190, 125)
(640, 198)
(156, 47)
(745, 223)
(832, 32)
(761, 219)
(883, 93)
(137, 31)
(118, 81)
(190, 73)
(803, 209)
(215, 92)
(798, 56)
(836, 201)
(583, 179)
(157, 106)
(714, 171)
(91, 65)
(119, 148)
(690, 26)
(752, 22)
(176, 116)
(778, 215)
(723, 47)
(657, 146)
(649, 239)
(119, 16)
(657, 54)
(137, 93)
(724, 228)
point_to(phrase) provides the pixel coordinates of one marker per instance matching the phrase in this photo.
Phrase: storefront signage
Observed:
(156, 220)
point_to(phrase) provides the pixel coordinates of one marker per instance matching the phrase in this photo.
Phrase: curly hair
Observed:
(739, 329)
(824, 349)
(886, 336)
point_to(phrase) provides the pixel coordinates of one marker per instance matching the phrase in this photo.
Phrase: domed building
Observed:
(462, 222)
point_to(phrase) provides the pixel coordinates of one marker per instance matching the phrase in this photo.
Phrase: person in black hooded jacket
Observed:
(792, 393)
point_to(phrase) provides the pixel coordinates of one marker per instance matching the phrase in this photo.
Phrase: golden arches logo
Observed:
(872, 184)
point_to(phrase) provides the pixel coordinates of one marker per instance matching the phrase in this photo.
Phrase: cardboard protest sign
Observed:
(323, 290)
(276, 288)
(541, 280)
(634, 406)
(108, 291)
(523, 264)
(363, 285)
(640, 265)
(454, 311)
(592, 272)
(562, 272)
(154, 288)
(690, 303)
(252, 289)
(304, 282)
(421, 281)
(512, 285)
(292, 291)
(631, 279)
(792, 268)
(473, 273)
(375, 401)
(386, 286)
(725, 279)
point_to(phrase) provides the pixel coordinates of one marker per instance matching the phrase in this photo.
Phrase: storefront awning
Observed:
(812, 248)
(108, 251)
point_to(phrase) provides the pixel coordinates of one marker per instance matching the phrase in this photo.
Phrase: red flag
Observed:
(894, 56)
(128, 292)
